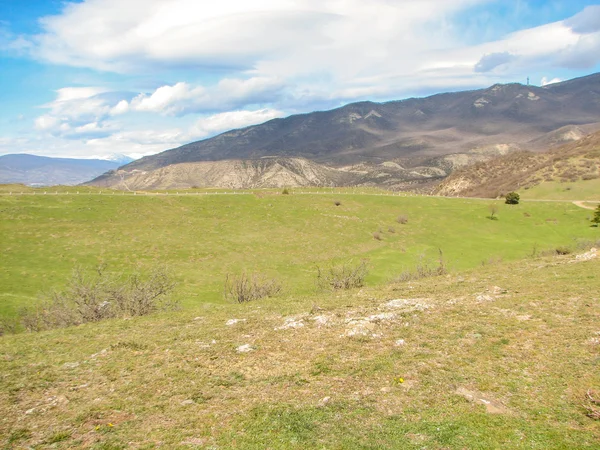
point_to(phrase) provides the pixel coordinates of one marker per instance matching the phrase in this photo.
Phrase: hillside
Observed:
(579, 161)
(480, 359)
(46, 171)
(412, 133)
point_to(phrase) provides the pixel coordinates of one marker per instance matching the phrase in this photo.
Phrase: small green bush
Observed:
(285, 191)
(512, 198)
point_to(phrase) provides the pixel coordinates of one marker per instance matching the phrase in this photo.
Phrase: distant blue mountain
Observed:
(46, 171)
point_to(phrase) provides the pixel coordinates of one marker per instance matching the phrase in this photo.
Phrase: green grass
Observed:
(554, 190)
(176, 380)
(201, 238)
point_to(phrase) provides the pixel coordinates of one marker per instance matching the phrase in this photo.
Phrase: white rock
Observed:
(246, 348)
(231, 322)
(400, 342)
(291, 322)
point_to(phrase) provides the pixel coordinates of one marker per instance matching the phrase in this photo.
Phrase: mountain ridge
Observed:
(409, 132)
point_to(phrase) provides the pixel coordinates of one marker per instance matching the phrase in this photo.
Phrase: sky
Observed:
(94, 78)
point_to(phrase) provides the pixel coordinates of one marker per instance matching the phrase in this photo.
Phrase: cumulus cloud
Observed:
(183, 98)
(230, 120)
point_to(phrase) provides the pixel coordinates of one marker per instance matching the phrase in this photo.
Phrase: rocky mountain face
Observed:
(412, 142)
(571, 162)
(44, 171)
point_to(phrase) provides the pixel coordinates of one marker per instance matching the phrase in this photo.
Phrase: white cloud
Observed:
(545, 81)
(182, 98)
(230, 120)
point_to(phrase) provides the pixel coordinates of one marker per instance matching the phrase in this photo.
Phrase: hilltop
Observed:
(394, 144)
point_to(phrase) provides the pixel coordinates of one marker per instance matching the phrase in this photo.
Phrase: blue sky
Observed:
(93, 78)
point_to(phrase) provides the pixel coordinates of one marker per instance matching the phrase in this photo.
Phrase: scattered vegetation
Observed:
(342, 276)
(245, 287)
(377, 236)
(402, 219)
(99, 295)
(512, 198)
(424, 269)
(391, 230)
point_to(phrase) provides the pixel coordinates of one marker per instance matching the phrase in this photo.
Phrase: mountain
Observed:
(118, 158)
(42, 170)
(571, 162)
(438, 133)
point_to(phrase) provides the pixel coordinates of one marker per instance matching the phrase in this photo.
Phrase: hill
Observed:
(46, 171)
(459, 128)
(578, 161)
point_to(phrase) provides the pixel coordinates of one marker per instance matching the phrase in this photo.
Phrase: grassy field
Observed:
(578, 190)
(201, 238)
(497, 357)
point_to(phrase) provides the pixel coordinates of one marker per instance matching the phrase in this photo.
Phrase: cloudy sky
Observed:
(91, 78)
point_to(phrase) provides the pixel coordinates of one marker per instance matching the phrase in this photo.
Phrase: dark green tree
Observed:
(512, 198)
(596, 218)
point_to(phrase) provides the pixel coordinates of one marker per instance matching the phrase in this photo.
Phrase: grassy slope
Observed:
(176, 381)
(201, 238)
(578, 190)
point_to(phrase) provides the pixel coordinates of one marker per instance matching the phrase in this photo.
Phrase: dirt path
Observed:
(583, 205)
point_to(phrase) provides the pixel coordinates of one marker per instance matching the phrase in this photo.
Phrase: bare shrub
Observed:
(493, 209)
(402, 219)
(592, 404)
(343, 276)
(377, 236)
(246, 288)
(101, 295)
(424, 269)
(391, 230)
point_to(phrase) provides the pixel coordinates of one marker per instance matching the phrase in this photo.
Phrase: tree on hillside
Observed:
(596, 218)
(512, 198)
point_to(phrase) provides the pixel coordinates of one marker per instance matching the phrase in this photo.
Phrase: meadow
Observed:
(501, 352)
(202, 238)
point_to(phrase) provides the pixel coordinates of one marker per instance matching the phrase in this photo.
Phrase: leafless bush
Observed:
(424, 269)
(402, 219)
(377, 236)
(245, 288)
(391, 230)
(343, 276)
(101, 295)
